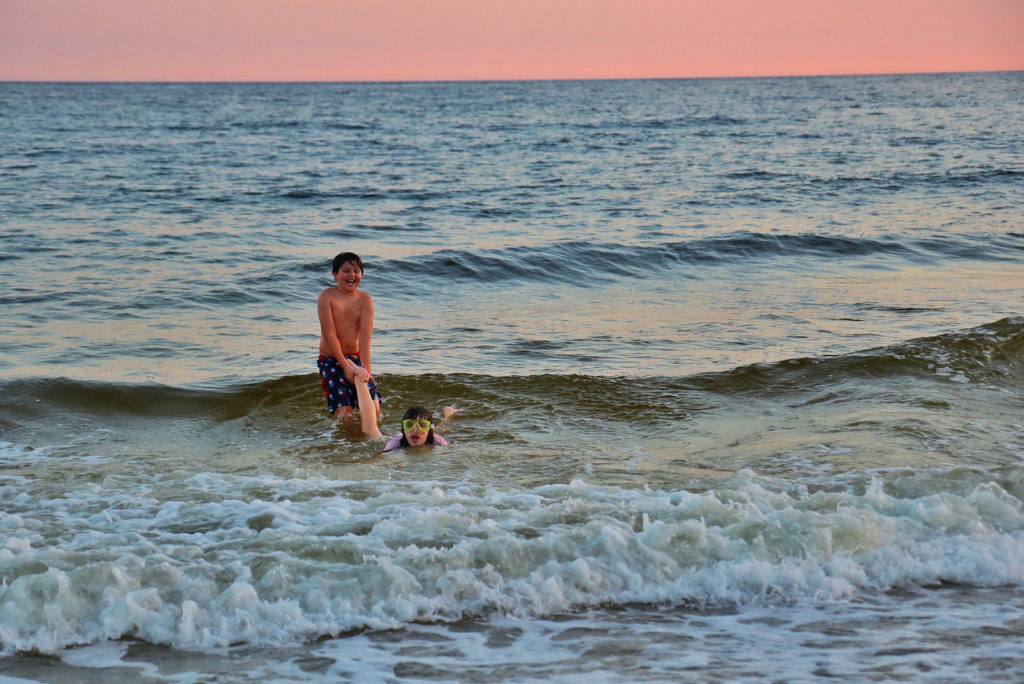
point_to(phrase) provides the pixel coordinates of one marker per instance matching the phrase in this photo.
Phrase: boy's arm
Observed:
(327, 329)
(366, 333)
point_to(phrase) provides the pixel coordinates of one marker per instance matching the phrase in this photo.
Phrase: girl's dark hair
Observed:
(419, 413)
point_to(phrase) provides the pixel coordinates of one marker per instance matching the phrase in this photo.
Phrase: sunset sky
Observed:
(343, 40)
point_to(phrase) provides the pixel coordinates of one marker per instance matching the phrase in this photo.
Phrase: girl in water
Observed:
(418, 429)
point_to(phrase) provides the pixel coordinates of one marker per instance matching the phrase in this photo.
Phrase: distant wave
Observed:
(992, 354)
(361, 193)
(958, 178)
(582, 262)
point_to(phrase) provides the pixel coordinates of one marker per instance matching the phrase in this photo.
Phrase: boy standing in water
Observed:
(346, 326)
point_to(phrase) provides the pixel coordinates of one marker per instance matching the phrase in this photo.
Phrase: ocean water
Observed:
(741, 365)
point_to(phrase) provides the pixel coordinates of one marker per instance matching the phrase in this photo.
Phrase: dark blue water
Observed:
(740, 362)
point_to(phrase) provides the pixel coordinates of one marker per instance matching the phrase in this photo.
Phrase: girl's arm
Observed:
(366, 333)
(367, 411)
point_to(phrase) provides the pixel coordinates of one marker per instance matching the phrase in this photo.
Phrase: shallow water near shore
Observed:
(739, 361)
(859, 641)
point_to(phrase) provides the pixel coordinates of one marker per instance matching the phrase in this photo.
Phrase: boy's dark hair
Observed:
(346, 258)
(419, 413)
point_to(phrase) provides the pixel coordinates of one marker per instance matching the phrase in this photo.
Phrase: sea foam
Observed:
(324, 557)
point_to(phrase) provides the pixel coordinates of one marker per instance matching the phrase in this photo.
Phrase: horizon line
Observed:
(516, 80)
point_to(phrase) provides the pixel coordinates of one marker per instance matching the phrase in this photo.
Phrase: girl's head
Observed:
(417, 427)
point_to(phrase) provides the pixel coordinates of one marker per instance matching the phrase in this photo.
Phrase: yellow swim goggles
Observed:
(423, 425)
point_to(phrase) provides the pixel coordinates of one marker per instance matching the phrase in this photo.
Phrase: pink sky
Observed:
(345, 40)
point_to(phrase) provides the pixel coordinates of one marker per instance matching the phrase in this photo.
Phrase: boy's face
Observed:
(348, 277)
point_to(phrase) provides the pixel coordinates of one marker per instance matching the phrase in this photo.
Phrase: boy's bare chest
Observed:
(346, 311)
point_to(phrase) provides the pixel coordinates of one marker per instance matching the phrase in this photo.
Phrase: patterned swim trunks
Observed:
(340, 392)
